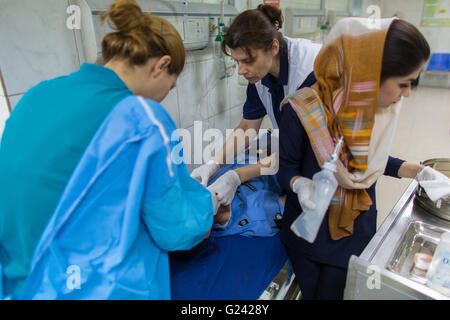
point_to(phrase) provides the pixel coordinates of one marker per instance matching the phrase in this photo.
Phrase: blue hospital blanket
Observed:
(228, 268)
(236, 262)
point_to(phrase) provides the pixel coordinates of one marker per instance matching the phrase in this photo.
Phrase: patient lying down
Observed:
(224, 213)
(222, 222)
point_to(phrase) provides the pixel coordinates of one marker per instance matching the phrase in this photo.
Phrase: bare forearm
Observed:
(248, 172)
(235, 144)
(266, 166)
(409, 170)
(406, 170)
(238, 140)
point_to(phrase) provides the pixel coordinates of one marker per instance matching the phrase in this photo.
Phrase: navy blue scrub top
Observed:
(297, 159)
(253, 106)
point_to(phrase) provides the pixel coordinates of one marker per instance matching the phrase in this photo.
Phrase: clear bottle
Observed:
(438, 275)
(307, 224)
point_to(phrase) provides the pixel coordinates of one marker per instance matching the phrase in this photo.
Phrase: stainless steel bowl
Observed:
(441, 207)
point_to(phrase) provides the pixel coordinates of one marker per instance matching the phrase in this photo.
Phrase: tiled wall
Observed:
(37, 46)
(200, 95)
(4, 111)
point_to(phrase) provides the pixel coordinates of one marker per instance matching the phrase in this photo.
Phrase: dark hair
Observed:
(139, 37)
(254, 29)
(405, 49)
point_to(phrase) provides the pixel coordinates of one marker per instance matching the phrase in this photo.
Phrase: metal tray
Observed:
(419, 237)
(440, 208)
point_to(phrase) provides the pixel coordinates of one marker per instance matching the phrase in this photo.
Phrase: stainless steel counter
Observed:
(379, 272)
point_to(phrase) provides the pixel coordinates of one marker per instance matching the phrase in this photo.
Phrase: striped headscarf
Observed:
(343, 103)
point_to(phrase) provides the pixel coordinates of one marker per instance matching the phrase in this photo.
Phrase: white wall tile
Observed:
(41, 47)
(36, 44)
(235, 116)
(216, 88)
(13, 100)
(237, 92)
(170, 103)
(4, 114)
(221, 124)
(220, 121)
(192, 97)
(2, 93)
(193, 143)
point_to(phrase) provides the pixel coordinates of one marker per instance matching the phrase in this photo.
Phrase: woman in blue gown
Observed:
(90, 199)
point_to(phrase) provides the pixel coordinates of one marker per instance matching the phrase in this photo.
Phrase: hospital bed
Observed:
(234, 268)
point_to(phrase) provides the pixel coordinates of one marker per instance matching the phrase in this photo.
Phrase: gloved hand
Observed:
(435, 183)
(429, 173)
(225, 187)
(303, 187)
(215, 201)
(203, 173)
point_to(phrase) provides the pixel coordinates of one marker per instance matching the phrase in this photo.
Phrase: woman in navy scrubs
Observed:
(274, 66)
(378, 67)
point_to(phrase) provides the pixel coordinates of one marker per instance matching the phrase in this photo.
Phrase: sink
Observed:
(384, 269)
(419, 237)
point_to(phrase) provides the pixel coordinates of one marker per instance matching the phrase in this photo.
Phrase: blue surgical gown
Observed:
(43, 141)
(129, 202)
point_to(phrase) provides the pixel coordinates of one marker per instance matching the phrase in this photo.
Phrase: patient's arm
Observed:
(223, 215)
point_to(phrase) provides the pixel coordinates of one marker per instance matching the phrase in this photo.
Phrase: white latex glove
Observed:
(225, 187)
(203, 173)
(435, 183)
(215, 202)
(303, 187)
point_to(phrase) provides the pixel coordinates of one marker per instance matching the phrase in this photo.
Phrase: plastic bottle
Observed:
(438, 275)
(307, 224)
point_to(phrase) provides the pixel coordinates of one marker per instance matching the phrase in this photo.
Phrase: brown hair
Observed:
(138, 37)
(405, 49)
(254, 29)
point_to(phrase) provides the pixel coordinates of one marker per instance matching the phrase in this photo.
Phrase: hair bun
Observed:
(126, 15)
(138, 36)
(273, 14)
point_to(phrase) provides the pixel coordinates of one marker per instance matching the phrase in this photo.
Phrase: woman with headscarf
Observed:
(363, 72)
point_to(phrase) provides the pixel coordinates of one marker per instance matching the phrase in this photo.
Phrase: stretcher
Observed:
(233, 268)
